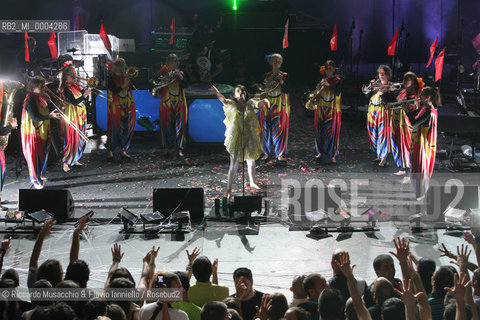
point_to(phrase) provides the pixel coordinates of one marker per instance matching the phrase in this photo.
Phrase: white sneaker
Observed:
(38, 186)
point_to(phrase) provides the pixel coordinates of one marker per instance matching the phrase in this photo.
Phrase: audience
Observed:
(203, 290)
(154, 311)
(452, 296)
(313, 285)
(192, 310)
(339, 282)
(382, 290)
(384, 267)
(331, 305)
(214, 310)
(299, 294)
(247, 297)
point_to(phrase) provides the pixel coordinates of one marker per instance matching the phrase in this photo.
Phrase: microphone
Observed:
(243, 96)
(73, 50)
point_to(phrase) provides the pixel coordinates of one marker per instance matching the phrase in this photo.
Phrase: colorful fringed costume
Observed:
(401, 133)
(121, 115)
(241, 132)
(35, 132)
(173, 113)
(3, 132)
(75, 110)
(327, 104)
(275, 120)
(424, 142)
(378, 126)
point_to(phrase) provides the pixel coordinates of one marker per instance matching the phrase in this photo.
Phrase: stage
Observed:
(278, 251)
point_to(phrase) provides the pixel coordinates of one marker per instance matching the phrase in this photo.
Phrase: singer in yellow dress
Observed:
(242, 134)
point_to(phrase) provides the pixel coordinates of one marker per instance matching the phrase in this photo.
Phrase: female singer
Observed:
(121, 110)
(327, 103)
(378, 122)
(424, 140)
(242, 135)
(75, 110)
(173, 106)
(401, 128)
(275, 119)
(35, 130)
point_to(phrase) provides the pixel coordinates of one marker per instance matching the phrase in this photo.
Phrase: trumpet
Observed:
(64, 116)
(399, 104)
(376, 86)
(92, 83)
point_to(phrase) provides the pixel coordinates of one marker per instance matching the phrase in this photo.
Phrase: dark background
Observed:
(256, 29)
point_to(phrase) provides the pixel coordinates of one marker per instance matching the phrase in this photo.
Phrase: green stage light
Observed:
(235, 5)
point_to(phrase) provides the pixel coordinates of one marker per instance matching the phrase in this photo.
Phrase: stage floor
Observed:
(275, 254)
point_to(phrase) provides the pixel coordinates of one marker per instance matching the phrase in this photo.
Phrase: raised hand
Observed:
(446, 253)
(469, 238)
(117, 252)
(262, 310)
(460, 287)
(215, 90)
(403, 249)
(192, 256)
(462, 256)
(47, 227)
(215, 266)
(344, 264)
(6, 243)
(406, 293)
(81, 224)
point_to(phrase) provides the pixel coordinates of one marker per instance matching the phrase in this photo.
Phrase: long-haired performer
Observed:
(75, 110)
(35, 130)
(173, 105)
(242, 138)
(378, 122)
(121, 110)
(424, 140)
(275, 120)
(326, 100)
(401, 127)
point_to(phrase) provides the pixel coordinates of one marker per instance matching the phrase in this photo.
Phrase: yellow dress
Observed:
(234, 139)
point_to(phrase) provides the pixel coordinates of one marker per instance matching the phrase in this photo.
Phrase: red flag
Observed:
(27, 53)
(334, 39)
(432, 51)
(393, 44)
(285, 36)
(104, 36)
(439, 65)
(52, 44)
(172, 27)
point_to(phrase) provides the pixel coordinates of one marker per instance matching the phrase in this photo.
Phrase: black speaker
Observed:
(169, 200)
(247, 204)
(57, 202)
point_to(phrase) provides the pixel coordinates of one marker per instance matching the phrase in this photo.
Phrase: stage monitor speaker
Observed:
(58, 202)
(464, 197)
(169, 200)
